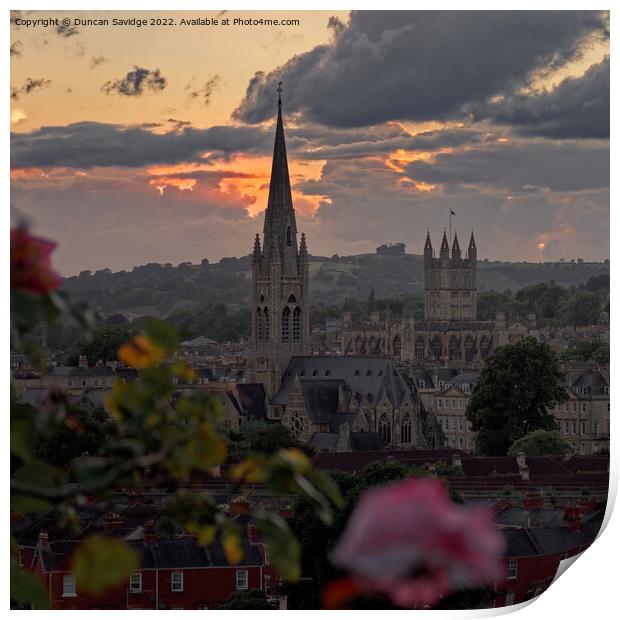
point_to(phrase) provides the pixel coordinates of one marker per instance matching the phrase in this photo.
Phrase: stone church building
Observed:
(332, 402)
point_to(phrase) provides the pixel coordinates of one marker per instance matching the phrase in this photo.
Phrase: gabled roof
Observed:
(364, 374)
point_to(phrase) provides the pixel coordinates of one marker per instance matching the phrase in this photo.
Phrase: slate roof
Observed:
(252, 400)
(364, 374)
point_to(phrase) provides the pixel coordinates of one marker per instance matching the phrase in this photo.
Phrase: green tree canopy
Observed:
(251, 599)
(540, 443)
(517, 386)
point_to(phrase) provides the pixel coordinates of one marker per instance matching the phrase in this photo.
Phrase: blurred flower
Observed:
(140, 352)
(31, 268)
(409, 541)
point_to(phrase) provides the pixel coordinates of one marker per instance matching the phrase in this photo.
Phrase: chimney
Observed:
(252, 533)
(148, 532)
(524, 470)
(456, 460)
(572, 518)
(83, 361)
(112, 521)
(239, 506)
(44, 541)
(112, 364)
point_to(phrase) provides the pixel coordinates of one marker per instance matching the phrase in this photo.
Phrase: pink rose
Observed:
(31, 268)
(409, 541)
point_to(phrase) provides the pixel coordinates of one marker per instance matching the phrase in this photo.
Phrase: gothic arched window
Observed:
(436, 347)
(385, 429)
(420, 348)
(286, 324)
(455, 348)
(359, 345)
(297, 324)
(470, 349)
(396, 347)
(484, 347)
(259, 325)
(266, 334)
(288, 236)
(405, 430)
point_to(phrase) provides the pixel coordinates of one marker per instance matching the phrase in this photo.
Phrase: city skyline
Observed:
(127, 153)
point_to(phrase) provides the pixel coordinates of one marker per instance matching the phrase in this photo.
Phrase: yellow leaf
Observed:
(233, 550)
(101, 563)
(140, 352)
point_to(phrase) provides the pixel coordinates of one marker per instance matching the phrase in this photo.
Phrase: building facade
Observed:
(280, 279)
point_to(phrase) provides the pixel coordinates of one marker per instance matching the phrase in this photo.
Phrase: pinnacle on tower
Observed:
(445, 248)
(456, 250)
(472, 252)
(303, 250)
(256, 255)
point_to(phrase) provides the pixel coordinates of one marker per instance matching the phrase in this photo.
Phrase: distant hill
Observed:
(161, 289)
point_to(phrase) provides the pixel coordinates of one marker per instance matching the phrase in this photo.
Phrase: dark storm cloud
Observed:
(29, 86)
(86, 145)
(136, 82)
(521, 167)
(577, 108)
(419, 65)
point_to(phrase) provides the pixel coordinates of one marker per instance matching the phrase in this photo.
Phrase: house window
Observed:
(510, 598)
(20, 557)
(135, 583)
(511, 569)
(267, 584)
(439, 403)
(595, 430)
(242, 580)
(177, 582)
(68, 585)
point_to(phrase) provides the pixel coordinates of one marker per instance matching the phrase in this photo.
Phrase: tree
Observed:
(540, 443)
(84, 432)
(258, 436)
(105, 343)
(517, 386)
(251, 599)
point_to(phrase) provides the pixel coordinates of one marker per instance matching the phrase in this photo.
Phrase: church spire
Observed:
(280, 229)
(428, 246)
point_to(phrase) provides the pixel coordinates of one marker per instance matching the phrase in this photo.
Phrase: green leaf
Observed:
(162, 334)
(283, 547)
(23, 438)
(27, 588)
(327, 486)
(101, 563)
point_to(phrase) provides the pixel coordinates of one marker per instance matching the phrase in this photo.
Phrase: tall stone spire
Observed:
(280, 229)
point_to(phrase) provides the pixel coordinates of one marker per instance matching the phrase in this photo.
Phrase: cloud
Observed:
(136, 82)
(96, 61)
(88, 144)
(520, 167)
(336, 25)
(16, 48)
(29, 86)
(206, 90)
(419, 65)
(577, 108)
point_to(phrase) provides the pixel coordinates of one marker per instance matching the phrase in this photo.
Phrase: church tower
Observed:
(280, 278)
(450, 281)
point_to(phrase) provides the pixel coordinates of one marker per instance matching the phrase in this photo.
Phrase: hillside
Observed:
(162, 289)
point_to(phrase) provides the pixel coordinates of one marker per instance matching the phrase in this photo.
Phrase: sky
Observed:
(145, 144)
